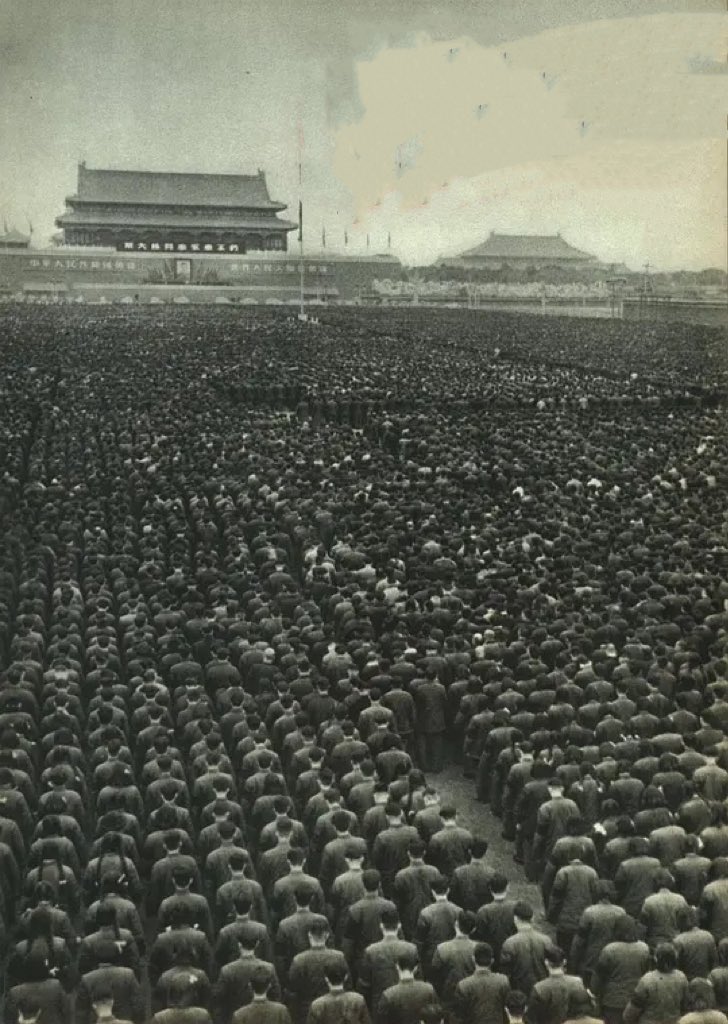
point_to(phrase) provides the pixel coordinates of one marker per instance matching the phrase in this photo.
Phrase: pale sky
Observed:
(438, 122)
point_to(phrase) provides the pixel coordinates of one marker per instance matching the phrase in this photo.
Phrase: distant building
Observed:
(14, 240)
(151, 211)
(521, 252)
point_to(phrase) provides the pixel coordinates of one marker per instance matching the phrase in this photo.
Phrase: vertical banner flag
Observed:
(346, 237)
(300, 221)
(323, 237)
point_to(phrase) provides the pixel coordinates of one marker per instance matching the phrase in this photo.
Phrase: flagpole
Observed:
(302, 312)
(300, 261)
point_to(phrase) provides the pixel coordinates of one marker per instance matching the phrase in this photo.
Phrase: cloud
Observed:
(598, 118)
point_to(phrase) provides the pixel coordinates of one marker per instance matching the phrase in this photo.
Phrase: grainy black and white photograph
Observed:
(363, 512)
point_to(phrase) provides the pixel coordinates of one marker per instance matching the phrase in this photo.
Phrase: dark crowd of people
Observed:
(262, 581)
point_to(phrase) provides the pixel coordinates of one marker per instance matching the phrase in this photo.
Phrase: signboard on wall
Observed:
(245, 268)
(131, 245)
(77, 263)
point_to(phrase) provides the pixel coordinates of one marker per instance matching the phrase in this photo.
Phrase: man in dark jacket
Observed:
(183, 997)
(523, 956)
(390, 849)
(233, 988)
(595, 930)
(470, 883)
(619, 967)
(404, 1002)
(430, 698)
(307, 976)
(283, 900)
(496, 920)
(378, 964)
(574, 889)
(691, 871)
(518, 775)
(231, 935)
(636, 876)
(436, 923)
(532, 797)
(454, 959)
(450, 847)
(292, 934)
(116, 985)
(44, 1001)
(480, 998)
(550, 999)
(413, 887)
(337, 1005)
(363, 923)
(261, 1009)
(552, 822)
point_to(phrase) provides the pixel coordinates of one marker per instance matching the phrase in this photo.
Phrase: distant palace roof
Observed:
(543, 247)
(172, 188)
(14, 237)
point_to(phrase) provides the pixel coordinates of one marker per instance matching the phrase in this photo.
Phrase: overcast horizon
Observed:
(602, 120)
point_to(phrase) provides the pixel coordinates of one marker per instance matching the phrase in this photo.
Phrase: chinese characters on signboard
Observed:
(221, 247)
(68, 263)
(247, 267)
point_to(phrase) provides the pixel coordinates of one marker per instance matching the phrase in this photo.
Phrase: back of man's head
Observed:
(523, 911)
(483, 954)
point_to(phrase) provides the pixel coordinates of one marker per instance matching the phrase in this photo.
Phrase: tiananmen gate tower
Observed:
(152, 211)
